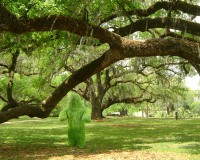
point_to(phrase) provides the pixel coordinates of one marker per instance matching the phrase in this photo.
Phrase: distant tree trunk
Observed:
(142, 114)
(176, 115)
(96, 109)
(11, 102)
(124, 112)
(147, 111)
(168, 110)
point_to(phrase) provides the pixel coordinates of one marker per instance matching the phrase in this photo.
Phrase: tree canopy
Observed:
(30, 25)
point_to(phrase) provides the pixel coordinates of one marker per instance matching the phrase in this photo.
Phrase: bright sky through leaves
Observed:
(193, 82)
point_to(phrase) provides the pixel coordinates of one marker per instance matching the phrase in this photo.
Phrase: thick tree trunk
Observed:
(96, 110)
(124, 112)
(96, 100)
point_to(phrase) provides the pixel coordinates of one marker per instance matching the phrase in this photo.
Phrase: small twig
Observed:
(3, 99)
(125, 12)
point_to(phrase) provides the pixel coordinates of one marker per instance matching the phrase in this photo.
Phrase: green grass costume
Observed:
(77, 115)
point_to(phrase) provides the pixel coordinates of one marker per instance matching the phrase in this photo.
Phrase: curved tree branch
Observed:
(4, 65)
(177, 5)
(11, 75)
(24, 73)
(28, 110)
(133, 100)
(81, 93)
(172, 34)
(148, 23)
(11, 102)
(54, 22)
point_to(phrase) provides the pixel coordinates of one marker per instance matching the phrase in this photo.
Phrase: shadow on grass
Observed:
(192, 148)
(47, 152)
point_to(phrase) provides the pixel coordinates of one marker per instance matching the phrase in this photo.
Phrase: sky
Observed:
(193, 82)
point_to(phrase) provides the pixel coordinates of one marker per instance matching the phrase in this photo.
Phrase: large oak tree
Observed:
(120, 46)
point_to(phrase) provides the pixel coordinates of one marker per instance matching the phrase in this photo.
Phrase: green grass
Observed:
(43, 139)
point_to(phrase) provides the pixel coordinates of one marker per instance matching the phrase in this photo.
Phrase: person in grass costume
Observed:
(77, 115)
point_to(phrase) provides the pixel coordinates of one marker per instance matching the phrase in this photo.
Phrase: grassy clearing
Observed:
(116, 138)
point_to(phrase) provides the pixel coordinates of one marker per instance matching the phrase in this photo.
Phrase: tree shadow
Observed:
(61, 151)
(192, 148)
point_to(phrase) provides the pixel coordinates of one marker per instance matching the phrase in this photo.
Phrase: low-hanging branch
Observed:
(22, 72)
(133, 100)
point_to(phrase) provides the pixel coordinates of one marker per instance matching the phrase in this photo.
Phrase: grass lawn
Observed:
(115, 138)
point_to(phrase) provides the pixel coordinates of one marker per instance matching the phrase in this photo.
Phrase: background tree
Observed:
(124, 82)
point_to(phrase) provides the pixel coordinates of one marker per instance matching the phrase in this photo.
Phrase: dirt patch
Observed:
(122, 155)
(21, 121)
(125, 125)
(101, 120)
(73, 153)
